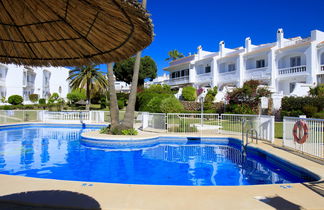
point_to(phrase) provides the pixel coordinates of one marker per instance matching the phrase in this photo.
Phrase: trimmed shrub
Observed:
(76, 95)
(15, 100)
(42, 101)
(171, 105)
(33, 98)
(189, 93)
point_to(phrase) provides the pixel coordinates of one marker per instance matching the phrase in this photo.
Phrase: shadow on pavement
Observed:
(48, 199)
(278, 202)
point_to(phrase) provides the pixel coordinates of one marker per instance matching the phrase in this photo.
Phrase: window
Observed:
(260, 63)
(292, 87)
(231, 67)
(295, 61)
(178, 74)
(207, 69)
(173, 75)
(183, 73)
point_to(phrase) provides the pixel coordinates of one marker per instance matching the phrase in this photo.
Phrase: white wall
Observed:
(14, 80)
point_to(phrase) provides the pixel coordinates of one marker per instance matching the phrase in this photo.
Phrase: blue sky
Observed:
(185, 24)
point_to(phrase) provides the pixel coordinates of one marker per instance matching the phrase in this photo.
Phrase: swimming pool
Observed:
(56, 152)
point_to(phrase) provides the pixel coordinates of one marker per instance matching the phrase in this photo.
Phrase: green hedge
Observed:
(309, 106)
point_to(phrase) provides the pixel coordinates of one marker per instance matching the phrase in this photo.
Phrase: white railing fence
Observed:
(74, 116)
(263, 124)
(314, 144)
(193, 123)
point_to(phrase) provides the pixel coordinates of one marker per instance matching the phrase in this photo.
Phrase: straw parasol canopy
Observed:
(72, 32)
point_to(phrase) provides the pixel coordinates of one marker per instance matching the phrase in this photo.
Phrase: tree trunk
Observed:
(114, 111)
(88, 95)
(130, 109)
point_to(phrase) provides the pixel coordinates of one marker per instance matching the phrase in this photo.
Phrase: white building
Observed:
(121, 86)
(288, 66)
(158, 80)
(23, 81)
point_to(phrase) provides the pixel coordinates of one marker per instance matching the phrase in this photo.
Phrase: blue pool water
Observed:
(56, 152)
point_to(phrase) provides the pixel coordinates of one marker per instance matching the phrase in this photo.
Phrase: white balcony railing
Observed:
(257, 73)
(203, 78)
(178, 81)
(257, 69)
(292, 70)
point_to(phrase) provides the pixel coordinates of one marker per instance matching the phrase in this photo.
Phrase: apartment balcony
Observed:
(228, 77)
(257, 73)
(292, 71)
(204, 78)
(178, 81)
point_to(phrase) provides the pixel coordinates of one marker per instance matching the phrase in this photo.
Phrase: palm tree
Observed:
(130, 109)
(87, 77)
(114, 111)
(174, 55)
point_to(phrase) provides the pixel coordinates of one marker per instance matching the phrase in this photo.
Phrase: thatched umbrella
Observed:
(72, 32)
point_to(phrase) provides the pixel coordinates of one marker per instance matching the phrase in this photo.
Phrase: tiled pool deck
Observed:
(17, 191)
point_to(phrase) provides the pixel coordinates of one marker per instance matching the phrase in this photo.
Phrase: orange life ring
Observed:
(300, 125)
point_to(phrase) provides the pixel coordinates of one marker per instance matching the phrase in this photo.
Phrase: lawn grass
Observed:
(279, 130)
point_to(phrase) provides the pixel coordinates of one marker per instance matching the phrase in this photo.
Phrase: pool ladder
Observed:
(245, 139)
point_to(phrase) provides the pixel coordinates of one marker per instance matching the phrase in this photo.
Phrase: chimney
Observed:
(280, 37)
(248, 44)
(221, 47)
(199, 48)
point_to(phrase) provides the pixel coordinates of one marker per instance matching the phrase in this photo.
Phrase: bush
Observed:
(317, 91)
(295, 106)
(53, 98)
(33, 98)
(154, 105)
(171, 105)
(240, 109)
(319, 115)
(15, 100)
(42, 101)
(76, 95)
(310, 110)
(146, 95)
(189, 93)
(121, 104)
(131, 132)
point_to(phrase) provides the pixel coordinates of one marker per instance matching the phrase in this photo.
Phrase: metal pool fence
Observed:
(209, 124)
(263, 124)
(314, 144)
(192, 123)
